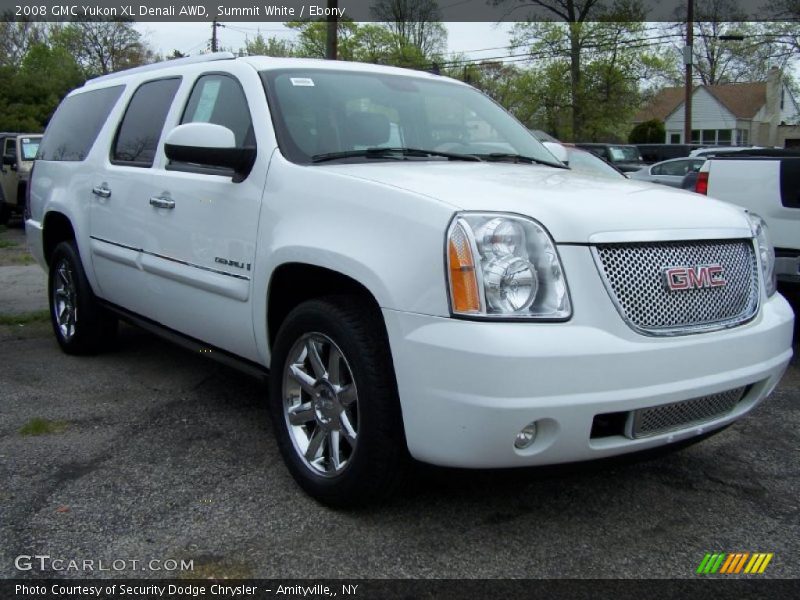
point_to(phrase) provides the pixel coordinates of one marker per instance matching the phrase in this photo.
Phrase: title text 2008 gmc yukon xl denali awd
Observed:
(417, 273)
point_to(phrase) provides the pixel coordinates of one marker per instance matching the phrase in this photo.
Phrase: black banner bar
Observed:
(365, 589)
(493, 11)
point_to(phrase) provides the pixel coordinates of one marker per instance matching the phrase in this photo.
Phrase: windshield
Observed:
(30, 146)
(318, 113)
(586, 162)
(625, 154)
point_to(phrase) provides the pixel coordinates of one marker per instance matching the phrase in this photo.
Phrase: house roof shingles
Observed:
(743, 100)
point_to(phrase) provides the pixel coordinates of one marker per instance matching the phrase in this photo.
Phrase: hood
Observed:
(574, 207)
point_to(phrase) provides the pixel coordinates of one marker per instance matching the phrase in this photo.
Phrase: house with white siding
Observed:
(738, 114)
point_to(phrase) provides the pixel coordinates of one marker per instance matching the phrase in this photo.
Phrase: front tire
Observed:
(80, 324)
(334, 402)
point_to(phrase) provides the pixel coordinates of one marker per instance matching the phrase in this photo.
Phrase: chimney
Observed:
(773, 105)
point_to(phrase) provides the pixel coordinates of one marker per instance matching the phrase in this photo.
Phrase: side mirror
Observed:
(209, 145)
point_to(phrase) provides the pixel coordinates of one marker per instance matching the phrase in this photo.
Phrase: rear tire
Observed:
(80, 324)
(334, 402)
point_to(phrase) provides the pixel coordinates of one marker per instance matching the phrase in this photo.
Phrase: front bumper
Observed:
(467, 388)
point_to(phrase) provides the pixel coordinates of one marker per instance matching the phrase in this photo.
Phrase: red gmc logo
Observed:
(687, 278)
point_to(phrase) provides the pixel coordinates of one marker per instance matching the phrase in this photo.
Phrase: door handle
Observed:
(162, 202)
(102, 191)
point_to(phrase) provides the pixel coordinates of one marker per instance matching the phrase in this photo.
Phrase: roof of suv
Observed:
(264, 63)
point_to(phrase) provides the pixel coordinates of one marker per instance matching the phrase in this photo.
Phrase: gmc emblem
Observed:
(687, 278)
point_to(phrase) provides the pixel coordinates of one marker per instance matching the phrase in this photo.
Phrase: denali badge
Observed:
(687, 278)
(231, 263)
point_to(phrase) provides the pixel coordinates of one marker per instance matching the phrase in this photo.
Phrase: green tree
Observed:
(614, 59)
(31, 94)
(415, 24)
(16, 38)
(312, 35)
(580, 28)
(271, 46)
(102, 47)
(648, 132)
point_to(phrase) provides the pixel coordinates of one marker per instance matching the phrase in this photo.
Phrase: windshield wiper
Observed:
(518, 158)
(396, 153)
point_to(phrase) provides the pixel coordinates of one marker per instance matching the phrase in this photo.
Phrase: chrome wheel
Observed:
(320, 404)
(65, 308)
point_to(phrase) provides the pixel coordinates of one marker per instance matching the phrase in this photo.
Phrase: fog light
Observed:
(526, 436)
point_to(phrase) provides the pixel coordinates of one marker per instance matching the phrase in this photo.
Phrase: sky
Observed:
(192, 38)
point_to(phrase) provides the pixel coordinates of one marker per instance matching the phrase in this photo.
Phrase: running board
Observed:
(189, 343)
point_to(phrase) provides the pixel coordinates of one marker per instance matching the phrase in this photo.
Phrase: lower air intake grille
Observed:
(679, 415)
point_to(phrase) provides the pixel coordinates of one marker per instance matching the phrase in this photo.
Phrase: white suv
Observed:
(416, 272)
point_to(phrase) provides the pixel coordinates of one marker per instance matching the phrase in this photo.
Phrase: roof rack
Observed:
(189, 60)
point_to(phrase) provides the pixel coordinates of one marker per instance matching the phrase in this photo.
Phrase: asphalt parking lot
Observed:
(152, 452)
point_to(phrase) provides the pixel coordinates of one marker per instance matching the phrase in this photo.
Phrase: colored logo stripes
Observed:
(735, 563)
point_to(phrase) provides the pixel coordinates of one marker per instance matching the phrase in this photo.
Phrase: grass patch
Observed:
(8, 244)
(39, 316)
(39, 426)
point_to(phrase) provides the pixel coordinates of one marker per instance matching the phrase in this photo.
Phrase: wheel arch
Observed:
(56, 228)
(292, 283)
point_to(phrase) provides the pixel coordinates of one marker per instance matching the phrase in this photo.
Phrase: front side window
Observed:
(11, 147)
(319, 113)
(220, 100)
(140, 129)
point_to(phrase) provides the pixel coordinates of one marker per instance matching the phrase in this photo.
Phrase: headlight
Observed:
(766, 252)
(506, 266)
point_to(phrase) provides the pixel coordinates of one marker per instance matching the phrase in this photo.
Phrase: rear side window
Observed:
(75, 125)
(138, 134)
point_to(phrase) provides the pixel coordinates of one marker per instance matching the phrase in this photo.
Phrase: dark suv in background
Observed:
(625, 157)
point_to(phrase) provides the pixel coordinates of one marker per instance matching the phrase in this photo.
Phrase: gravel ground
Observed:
(152, 452)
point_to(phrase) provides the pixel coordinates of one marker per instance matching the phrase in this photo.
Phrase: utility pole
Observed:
(214, 26)
(687, 60)
(331, 41)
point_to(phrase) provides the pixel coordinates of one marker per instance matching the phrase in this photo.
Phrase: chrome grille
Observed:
(679, 415)
(634, 274)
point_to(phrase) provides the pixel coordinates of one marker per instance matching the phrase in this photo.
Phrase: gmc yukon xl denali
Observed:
(417, 274)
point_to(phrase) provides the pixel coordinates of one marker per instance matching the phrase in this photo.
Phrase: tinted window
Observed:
(75, 125)
(11, 147)
(140, 130)
(219, 99)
